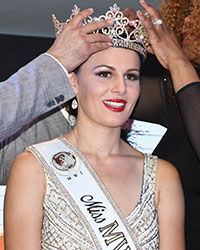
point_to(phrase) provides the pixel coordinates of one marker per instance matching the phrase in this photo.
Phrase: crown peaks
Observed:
(126, 33)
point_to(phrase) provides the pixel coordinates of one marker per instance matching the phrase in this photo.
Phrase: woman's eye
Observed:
(131, 77)
(104, 74)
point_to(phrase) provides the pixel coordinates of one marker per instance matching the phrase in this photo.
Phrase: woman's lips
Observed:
(190, 40)
(116, 105)
(187, 38)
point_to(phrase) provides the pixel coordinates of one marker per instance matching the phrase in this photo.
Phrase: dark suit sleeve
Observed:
(189, 102)
(35, 89)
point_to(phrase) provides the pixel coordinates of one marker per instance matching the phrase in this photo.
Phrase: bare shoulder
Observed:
(24, 157)
(28, 170)
(166, 170)
(168, 181)
(170, 206)
(26, 163)
(23, 206)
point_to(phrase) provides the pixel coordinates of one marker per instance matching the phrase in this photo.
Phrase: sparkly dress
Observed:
(63, 227)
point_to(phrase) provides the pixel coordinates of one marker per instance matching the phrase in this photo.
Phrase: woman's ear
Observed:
(73, 82)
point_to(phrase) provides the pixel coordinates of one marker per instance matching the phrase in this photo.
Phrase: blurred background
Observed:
(33, 18)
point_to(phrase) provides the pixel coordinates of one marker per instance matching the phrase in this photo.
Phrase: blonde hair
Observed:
(174, 13)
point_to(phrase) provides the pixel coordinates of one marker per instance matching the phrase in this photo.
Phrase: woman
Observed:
(183, 18)
(95, 184)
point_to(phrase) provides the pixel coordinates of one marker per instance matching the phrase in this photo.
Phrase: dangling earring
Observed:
(72, 120)
(74, 104)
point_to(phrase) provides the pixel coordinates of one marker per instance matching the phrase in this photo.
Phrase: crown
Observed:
(126, 33)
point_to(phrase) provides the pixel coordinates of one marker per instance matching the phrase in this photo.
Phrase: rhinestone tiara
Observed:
(126, 33)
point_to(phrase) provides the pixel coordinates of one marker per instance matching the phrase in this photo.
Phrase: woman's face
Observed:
(107, 86)
(191, 42)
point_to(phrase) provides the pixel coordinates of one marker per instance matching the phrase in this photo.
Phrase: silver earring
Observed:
(74, 104)
(72, 120)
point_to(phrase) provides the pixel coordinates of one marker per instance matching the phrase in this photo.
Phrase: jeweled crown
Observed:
(126, 33)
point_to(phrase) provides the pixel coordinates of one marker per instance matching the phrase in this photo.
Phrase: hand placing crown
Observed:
(126, 33)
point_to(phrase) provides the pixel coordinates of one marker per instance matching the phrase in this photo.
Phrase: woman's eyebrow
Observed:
(112, 68)
(133, 69)
(104, 65)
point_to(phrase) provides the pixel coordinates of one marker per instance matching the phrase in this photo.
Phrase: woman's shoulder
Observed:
(24, 197)
(166, 170)
(168, 184)
(26, 161)
(167, 178)
(28, 170)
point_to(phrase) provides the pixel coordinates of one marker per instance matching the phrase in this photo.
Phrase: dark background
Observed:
(16, 51)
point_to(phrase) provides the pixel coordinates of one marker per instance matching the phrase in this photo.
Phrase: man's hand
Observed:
(75, 43)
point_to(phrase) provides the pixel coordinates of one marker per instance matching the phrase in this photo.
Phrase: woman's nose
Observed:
(119, 86)
(187, 19)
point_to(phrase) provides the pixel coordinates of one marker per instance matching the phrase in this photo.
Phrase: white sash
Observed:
(82, 183)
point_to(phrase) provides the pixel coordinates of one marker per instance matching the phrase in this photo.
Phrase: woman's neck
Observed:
(95, 139)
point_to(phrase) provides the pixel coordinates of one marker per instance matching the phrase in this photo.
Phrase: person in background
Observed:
(183, 18)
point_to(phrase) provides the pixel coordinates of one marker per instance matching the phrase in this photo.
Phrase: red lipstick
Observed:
(187, 38)
(115, 105)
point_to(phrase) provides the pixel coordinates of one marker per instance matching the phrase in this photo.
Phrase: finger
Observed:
(130, 13)
(146, 23)
(97, 37)
(153, 34)
(155, 14)
(78, 19)
(95, 25)
(95, 47)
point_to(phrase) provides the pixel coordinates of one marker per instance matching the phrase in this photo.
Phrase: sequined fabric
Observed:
(144, 218)
(63, 228)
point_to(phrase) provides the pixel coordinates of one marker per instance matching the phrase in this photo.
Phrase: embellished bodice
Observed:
(64, 228)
